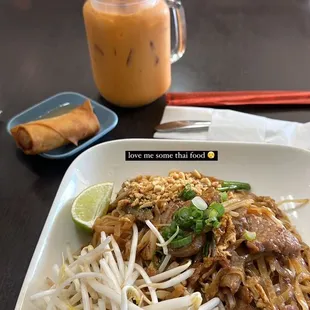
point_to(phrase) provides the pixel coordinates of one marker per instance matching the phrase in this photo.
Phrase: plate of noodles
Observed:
(226, 234)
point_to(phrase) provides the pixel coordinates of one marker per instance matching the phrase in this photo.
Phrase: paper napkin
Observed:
(229, 125)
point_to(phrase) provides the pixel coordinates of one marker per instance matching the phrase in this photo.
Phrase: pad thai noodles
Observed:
(186, 241)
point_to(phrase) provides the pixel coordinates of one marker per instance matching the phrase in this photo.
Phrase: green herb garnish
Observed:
(218, 207)
(186, 217)
(224, 196)
(199, 226)
(179, 243)
(234, 185)
(187, 193)
(212, 222)
(249, 235)
(192, 220)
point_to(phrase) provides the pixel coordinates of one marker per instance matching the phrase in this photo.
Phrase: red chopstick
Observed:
(230, 98)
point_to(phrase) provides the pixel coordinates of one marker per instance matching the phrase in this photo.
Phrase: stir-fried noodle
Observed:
(186, 241)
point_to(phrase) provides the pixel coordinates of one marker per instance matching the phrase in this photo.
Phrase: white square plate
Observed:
(271, 170)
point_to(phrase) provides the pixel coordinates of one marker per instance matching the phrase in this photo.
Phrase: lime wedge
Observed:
(92, 203)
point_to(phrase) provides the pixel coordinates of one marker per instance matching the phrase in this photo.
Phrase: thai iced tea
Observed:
(129, 44)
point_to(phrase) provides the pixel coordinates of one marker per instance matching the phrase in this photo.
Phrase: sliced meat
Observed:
(211, 195)
(233, 280)
(191, 249)
(270, 237)
(172, 207)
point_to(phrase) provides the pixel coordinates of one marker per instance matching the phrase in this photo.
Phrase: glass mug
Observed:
(130, 47)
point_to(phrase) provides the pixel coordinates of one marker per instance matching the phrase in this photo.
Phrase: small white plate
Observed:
(271, 170)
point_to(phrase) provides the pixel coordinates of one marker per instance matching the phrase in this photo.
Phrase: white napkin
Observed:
(228, 125)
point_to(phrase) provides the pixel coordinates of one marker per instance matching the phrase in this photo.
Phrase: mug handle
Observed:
(180, 29)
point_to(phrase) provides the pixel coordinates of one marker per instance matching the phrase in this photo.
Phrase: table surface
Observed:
(232, 45)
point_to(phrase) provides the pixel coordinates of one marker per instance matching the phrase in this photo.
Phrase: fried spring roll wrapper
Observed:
(47, 134)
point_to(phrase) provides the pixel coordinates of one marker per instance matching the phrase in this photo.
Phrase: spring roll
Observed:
(47, 134)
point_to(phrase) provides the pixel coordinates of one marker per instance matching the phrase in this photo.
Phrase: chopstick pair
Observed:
(234, 98)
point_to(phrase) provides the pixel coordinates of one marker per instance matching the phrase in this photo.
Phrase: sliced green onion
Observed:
(179, 243)
(224, 196)
(170, 239)
(213, 222)
(249, 235)
(196, 214)
(199, 203)
(173, 226)
(234, 185)
(212, 213)
(184, 218)
(187, 193)
(166, 233)
(210, 220)
(184, 213)
(218, 207)
(216, 224)
(181, 234)
(198, 226)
